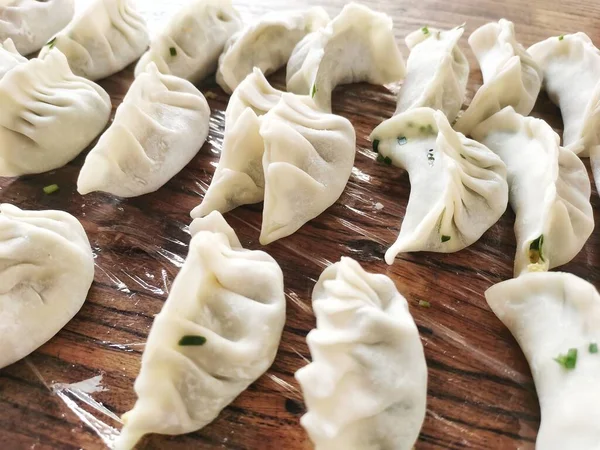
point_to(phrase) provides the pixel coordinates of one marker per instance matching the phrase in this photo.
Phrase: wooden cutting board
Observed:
(481, 394)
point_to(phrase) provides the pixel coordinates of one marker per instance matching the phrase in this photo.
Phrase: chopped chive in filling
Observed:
(535, 250)
(425, 30)
(561, 37)
(593, 348)
(568, 361)
(192, 340)
(424, 304)
(173, 51)
(51, 43)
(445, 238)
(380, 158)
(387, 160)
(376, 145)
(313, 92)
(51, 189)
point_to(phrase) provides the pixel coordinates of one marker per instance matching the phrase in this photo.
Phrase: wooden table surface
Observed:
(481, 394)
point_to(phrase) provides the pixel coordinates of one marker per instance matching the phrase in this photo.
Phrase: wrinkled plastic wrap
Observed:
(72, 391)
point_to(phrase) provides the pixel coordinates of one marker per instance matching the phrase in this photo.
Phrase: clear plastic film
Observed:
(72, 391)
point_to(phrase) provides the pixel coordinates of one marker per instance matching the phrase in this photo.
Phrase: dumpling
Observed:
(458, 186)
(266, 44)
(103, 40)
(239, 178)
(190, 45)
(549, 190)
(357, 46)
(9, 57)
(46, 270)
(48, 115)
(510, 75)
(366, 387)
(571, 67)
(309, 155)
(31, 23)
(555, 318)
(157, 130)
(437, 72)
(217, 333)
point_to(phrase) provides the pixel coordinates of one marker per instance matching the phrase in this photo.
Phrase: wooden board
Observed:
(481, 394)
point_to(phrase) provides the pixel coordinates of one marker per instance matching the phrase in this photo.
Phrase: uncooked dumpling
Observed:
(46, 270)
(9, 57)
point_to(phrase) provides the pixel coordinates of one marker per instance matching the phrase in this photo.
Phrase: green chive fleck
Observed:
(535, 250)
(568, 361)
(424, 304)
(593, 348)
(192, 340)
(173, 51)
(462, 156)
(445, 238)
(387, 160)
(430, 129)
(402, 140)
(314, 91)
(561, 37)
(51, 189)
(425, 30)
(376, 145)
(380, 158)
(51, 43)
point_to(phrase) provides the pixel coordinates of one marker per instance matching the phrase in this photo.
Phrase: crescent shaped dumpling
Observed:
(266, 44)
(437, 72)
(9, 57)
(190, 44)
(510, 75)
(46, 270)
(357, 46)
(48, 115)
(157, 130)
(217, 333)
(458, 187)
(103, 40)
(549, 190)
(31, 23)
(555, 318)
(366, 387)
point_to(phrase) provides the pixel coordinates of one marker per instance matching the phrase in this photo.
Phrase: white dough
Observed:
(357, 46)
(157, 130)
(366, 387)
(458, 186)
(309, 155)
(239, 178)
(9, 57)
(510, 75)
(266, 44)
(103, 40)
(192, 41)
(437, 72)
(234, 299)
(549, 190)
(48, 115)
(31, 23)
(46, 270)
(549, 314)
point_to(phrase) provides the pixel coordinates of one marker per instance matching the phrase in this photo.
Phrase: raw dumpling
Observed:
(190, 45)
(239, 178)
(157, 130)
(31, 23)
(357, 46)
(571, 67)
(46, 271)
(437, 72)
(103, 40)
(458, 186)
(266, 44)
(510, 75)
(48, 115)
(555, 318)
(217, 333)
(367, 385)
(309, 155)
(9, 57)
(549, 190)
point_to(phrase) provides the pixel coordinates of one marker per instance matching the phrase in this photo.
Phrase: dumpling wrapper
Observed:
(308, 159)
(266, 44)
(549, 314)
(357, 46)
(437, 72)
(9, 57)
(239, 178)
(48, 115)
(46, 271)
(31, 23)
(510, 75)
(157, 130)
(231, 297)
(103, 40)
(366, 387)
(192, 41)
(458, 186)
(549, 190)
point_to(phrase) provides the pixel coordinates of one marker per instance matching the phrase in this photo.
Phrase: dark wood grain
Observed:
(481, 394)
